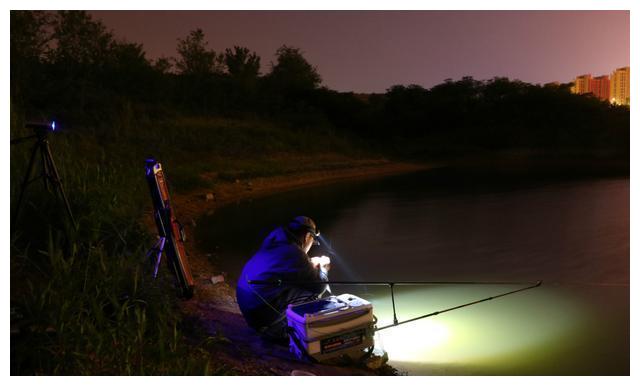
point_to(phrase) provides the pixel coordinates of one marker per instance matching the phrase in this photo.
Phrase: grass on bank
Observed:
(82, 302)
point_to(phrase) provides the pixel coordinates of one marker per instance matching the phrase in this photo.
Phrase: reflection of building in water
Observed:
(615, 89)
(620, 93)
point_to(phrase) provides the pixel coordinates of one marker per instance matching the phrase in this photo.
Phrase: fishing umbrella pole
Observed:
(392, 284)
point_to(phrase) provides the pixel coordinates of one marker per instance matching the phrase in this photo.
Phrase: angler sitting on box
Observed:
(282, 256)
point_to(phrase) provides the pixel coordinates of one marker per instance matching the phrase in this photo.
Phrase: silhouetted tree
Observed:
(195, 58)
(163, 65)
(241, 64)
(29, 37)
(199, 86)
(79, 40)
(406, 110)
(292, 72)
(29, 45)
(76, 62)
(127, 70)
(241, 84)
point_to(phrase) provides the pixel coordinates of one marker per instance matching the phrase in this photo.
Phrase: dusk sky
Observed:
(369, 51)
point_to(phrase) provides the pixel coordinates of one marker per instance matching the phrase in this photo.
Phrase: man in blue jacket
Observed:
(282, 256)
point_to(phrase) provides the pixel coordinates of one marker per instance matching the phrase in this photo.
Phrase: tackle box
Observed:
(331, 327)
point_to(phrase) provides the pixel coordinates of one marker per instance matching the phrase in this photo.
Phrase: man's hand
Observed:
(322, 262)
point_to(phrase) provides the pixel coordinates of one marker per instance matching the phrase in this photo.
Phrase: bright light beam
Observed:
(507, 331)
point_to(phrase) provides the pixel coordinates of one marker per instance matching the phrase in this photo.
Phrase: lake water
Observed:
(442, 225)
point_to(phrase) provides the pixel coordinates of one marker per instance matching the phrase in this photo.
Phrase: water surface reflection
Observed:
(574, 235)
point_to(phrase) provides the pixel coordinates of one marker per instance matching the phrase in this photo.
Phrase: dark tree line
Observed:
(66, 61)
(470, 115)
(67, 64)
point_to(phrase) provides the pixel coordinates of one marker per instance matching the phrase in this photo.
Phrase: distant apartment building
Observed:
(620, 84)
(582, 84)
(600, 87)
(615, 88)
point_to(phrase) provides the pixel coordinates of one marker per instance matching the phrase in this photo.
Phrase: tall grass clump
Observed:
(82, 300)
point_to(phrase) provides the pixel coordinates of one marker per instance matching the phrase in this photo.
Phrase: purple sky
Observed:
(368, 51)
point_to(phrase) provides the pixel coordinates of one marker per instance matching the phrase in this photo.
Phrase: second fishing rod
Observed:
(392, 284)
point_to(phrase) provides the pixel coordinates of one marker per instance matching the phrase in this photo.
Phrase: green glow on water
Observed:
(520, 333)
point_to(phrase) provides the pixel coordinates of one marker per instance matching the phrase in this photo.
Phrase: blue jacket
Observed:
(279, 258)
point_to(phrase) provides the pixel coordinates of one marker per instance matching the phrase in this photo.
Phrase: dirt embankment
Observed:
(214, 307)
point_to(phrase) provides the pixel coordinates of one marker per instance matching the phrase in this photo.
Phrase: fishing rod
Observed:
(279, 282)
(392, 284)
(395, 319)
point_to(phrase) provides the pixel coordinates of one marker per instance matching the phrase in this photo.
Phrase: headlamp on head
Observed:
(305, 223)
(316, 237)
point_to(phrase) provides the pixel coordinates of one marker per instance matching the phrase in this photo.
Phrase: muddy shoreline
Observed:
(213, 310)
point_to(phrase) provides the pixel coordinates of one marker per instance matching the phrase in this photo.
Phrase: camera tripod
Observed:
(49, 173)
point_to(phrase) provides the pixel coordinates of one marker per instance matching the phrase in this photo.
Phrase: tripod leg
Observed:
(56, 181)
(25, 182)
(158, 248)
(45, 167)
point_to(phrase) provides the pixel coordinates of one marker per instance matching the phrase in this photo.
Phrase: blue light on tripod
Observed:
(53, 125)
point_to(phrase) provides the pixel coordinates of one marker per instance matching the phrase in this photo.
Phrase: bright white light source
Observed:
(414, 342)
(509, 332)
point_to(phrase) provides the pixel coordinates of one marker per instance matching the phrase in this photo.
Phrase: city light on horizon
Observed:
(357, 50)
(614, 88)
